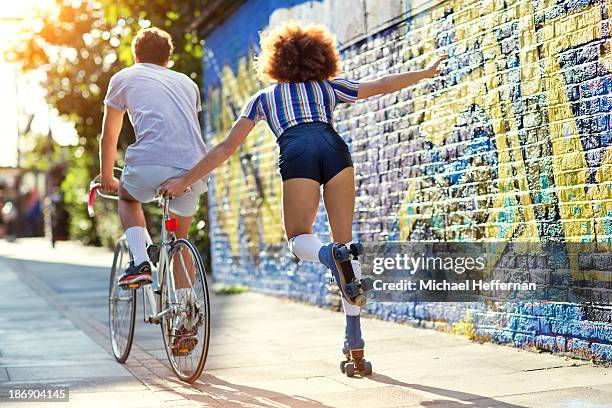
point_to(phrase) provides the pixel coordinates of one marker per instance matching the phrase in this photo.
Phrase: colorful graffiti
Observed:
(250, 207)
(512, 142)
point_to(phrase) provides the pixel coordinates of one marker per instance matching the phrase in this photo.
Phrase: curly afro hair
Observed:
(296, 53)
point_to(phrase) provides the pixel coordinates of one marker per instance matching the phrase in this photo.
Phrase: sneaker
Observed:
(136, 275)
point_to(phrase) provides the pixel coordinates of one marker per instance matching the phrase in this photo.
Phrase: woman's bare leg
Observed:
(300, 205)
(339, 199)
(301, 198)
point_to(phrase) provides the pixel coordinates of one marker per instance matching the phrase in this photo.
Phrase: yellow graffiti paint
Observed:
(482, 88)
(569, 161)
(582, 207)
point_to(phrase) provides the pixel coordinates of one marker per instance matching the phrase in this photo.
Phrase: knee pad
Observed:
(291, 245)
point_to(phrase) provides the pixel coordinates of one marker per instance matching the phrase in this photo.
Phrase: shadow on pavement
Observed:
(464, 399)
(84, 288)
(240, 395)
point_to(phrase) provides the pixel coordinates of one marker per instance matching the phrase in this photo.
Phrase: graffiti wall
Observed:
(511, 142)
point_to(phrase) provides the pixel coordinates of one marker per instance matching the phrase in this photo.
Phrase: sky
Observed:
(21, 94)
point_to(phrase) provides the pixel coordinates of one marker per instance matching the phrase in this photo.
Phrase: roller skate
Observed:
(354, 362)
(338, 257)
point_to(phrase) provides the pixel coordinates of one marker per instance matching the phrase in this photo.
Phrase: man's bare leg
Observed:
(180, 279)
(133, 221)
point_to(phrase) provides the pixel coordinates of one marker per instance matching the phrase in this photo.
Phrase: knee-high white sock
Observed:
(352, 310)
(306, 247)
(136, 237)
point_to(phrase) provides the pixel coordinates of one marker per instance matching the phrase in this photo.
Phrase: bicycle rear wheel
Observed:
(121, 306)
(186, 331)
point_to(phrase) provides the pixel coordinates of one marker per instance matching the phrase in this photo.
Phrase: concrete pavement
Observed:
(265, 352)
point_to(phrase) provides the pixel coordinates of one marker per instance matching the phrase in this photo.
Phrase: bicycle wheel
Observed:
(186, 330)
(121, 306)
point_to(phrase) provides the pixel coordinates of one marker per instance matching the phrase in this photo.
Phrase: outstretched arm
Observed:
(174, 187)
(395, 82)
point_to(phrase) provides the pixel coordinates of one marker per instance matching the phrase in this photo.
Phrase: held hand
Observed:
(434, 68)
(109, 184)
(173, 187)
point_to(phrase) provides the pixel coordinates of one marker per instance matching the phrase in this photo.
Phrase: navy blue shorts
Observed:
(314, 151)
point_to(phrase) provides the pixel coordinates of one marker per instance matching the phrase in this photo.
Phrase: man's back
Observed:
(163, 106)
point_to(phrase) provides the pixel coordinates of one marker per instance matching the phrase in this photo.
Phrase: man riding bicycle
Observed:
(163, 108)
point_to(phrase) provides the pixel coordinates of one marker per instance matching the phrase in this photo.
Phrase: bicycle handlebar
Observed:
(95, 188)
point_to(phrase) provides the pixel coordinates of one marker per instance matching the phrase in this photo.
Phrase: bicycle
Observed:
(184, 317)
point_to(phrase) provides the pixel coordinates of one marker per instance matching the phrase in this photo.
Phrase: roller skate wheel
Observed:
(342, 253)
(343, 366)
(349, 370)
(356, 248)
(367, 368)
(360, 300)
(352, 289)
(367, 284)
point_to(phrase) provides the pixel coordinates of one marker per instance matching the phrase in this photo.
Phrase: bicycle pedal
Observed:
(130, 286)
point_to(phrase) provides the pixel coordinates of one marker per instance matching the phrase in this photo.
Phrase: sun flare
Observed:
(26, 8)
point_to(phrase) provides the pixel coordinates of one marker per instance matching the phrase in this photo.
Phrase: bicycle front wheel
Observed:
(186, 329)
(121, 306)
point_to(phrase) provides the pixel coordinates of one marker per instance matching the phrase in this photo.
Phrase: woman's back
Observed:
(286, 104)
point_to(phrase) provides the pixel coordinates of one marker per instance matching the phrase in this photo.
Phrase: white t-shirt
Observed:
(163, 107)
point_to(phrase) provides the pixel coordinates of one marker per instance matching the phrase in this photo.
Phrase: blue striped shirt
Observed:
(285, 104)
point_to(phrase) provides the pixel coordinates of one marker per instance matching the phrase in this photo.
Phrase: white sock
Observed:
(350, 310)
(137, 240)
(306, 247)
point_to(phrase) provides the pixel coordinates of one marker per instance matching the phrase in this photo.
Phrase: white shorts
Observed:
(142, 182)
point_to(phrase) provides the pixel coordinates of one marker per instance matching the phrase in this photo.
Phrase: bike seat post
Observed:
(165, 217)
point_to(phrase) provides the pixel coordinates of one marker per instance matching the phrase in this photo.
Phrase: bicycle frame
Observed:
(161, 271)
(183, 316)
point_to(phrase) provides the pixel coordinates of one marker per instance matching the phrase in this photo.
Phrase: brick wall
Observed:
(512, 142)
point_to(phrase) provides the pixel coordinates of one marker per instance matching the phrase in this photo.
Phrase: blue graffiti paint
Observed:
(238, 35)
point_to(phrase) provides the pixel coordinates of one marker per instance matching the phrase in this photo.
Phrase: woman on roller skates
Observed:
(303, 64)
